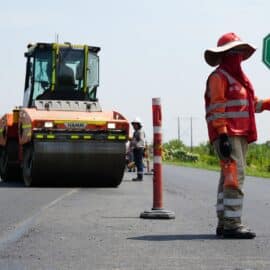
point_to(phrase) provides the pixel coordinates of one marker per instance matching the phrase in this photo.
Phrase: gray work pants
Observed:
(230, 200)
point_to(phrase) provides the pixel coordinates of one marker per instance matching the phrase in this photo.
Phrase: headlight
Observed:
(48, 124)
(111, 125)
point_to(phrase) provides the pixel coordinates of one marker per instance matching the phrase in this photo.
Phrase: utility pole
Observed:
(178, 128)
(191, 135)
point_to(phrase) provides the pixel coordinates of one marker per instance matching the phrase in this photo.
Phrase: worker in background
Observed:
(137, 145)
(230, 105)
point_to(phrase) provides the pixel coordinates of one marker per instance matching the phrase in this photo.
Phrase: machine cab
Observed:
(61, 72)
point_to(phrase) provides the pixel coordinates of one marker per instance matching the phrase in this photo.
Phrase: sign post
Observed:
(266, 51)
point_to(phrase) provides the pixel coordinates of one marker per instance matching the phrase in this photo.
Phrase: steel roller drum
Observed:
(99, 163)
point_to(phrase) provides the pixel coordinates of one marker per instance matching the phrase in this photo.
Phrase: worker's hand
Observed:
(225, 147)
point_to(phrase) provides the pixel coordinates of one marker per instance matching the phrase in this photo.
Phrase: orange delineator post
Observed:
(157, 178)
(157, 211)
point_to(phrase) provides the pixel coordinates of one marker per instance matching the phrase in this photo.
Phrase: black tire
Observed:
(115, 182)
(117, 178)
(27, 169)
(4, 164)
(9, 171)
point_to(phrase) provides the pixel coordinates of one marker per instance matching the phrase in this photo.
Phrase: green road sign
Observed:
(266, 50)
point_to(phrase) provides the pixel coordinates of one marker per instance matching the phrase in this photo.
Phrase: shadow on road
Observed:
(175, 237)
(55, 184)
(120, 217)
(11, 184)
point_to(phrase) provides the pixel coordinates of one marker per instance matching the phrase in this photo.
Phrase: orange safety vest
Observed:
(233, 113)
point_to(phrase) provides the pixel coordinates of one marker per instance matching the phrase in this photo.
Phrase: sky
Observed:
(149, 49)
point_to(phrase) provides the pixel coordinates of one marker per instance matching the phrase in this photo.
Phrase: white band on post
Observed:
(157, 130)
(157, 159)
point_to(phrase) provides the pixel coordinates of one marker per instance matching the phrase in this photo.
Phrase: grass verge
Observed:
(250, 171)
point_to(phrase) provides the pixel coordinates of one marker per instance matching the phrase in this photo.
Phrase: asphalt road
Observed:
(100, 228)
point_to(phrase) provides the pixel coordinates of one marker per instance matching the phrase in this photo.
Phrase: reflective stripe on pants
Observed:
(230, 201)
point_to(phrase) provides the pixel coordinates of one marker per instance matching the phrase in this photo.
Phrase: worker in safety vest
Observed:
(137, 145)
(230, 105)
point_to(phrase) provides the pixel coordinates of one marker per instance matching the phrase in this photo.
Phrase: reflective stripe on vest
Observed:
(258, 108)
(231, 103)
(231, 80)
(227, 115)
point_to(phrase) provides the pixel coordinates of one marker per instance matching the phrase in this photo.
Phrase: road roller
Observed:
(60, 133)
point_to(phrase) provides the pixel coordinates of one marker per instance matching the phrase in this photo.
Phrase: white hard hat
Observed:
(137, 120)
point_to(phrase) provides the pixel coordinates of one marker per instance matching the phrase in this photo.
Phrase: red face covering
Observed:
(231, 62)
